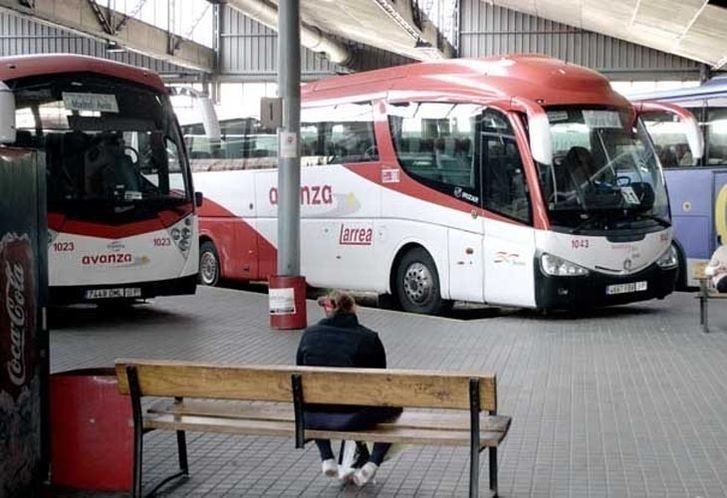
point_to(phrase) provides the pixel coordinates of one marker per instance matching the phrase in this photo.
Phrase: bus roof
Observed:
(33, 65)
(539, 78)
(714, 87)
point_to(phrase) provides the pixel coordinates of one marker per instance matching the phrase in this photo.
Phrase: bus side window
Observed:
(337, 134)
(505, 189)
(717, 131)
(433, 142)
(669, 139)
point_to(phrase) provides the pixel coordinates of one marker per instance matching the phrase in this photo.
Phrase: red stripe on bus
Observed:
(164, 219)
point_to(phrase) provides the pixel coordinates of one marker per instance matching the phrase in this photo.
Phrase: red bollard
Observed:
(286, 297)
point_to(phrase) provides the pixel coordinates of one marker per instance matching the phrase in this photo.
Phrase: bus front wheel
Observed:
(209, 264)
(417, 283)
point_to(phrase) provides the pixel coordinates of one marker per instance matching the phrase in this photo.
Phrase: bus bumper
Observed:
(100, 294)
(598, 289)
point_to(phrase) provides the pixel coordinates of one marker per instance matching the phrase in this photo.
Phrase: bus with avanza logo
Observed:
(521, 181)
(697, 183)
(122, 218)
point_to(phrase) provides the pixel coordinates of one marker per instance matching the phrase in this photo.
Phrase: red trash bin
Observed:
(286, 297)
(91, 431)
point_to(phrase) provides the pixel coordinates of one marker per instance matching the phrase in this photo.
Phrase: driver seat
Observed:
(579, 165)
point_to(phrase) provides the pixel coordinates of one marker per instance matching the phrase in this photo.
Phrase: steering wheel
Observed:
(623, 181)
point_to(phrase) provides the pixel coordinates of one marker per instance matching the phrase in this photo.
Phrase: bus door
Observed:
(690, 195)
(509, 241)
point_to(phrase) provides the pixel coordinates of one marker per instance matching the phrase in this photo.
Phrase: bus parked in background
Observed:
(697, 184)
(521, 181)
(121, 209)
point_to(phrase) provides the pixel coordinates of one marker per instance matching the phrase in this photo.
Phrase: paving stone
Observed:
(626, 401)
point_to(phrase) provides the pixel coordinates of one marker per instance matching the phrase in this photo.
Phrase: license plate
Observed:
(120, 292)
(626, 288)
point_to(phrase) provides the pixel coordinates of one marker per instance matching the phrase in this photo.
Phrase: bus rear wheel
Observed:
(209, 264)
(417, 283)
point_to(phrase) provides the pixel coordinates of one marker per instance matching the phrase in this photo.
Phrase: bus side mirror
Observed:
(541, 145)
(198, 199)
(7, 115)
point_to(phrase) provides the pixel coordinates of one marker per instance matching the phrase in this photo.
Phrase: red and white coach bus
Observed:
(521, 181)
(121, 209)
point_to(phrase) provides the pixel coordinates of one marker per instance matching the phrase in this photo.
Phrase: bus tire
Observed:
(417, 283)
(209, 264)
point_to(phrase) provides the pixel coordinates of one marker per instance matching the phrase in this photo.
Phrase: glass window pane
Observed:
(505, 191)
(670, 139)
(434, 142)
(717, 131)
(338, 134)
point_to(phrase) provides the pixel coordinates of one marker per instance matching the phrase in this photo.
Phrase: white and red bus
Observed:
(522, 181)
(121, 209)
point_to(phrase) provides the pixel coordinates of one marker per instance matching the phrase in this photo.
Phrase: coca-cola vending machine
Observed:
(23, 334)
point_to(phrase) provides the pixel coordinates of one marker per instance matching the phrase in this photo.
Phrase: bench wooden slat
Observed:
(413, 388)
(383, 432)
(220, 425)
(714, 295)
(284, 413)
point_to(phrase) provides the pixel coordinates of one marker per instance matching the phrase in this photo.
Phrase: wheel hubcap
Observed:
(208, 268)
(418, 283)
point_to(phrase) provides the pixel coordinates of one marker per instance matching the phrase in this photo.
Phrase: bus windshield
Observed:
(105, 139)
(604, 174)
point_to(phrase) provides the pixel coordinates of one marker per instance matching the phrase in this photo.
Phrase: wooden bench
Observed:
(269, 401)
(706, 293)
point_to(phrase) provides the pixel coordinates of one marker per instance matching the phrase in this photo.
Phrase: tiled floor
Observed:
(628, 401)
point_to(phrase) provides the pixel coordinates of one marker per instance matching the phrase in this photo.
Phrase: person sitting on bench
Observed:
(340, 341)
(717, 269)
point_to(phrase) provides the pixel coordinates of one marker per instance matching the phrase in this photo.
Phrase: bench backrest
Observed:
(344, 386)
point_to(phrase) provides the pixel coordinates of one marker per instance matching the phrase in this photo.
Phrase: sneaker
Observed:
(365, 474)
(329, 468)
(345, 475)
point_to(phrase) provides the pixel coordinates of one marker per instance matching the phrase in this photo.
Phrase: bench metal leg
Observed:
(703, 313)
(138, 453)
(474, 438)
(493, 471)
(474, 473)
(182, 449)
(134, 391)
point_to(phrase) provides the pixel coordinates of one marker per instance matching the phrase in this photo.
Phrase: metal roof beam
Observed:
(136, 36)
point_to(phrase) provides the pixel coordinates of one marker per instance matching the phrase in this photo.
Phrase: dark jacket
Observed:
(339, 341)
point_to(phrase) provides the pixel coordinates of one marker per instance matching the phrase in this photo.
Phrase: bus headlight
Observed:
(669, 259)
(181, 234)
(559, 267)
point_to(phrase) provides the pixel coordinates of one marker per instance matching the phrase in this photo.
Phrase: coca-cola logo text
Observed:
(15, 307)
(17, 313)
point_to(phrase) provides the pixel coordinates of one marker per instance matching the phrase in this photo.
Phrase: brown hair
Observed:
(342, 302)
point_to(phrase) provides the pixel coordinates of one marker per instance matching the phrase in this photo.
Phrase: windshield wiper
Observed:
(661, 221)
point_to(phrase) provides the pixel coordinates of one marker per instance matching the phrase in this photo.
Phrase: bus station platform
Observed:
(628, 401)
